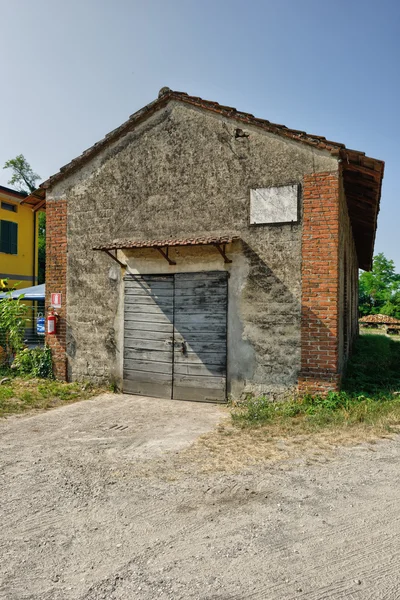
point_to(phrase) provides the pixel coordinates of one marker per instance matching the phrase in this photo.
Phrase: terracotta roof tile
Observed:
(192, 241)
(363, 200)
(383, 319)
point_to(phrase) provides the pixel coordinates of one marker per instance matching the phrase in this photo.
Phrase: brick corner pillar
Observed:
(320, 284)
(56, 280)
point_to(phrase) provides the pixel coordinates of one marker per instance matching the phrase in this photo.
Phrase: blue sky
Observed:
(72, 71)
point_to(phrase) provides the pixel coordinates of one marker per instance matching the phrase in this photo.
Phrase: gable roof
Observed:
(362, 175)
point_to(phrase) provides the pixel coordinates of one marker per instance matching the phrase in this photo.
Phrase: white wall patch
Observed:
(274, 205)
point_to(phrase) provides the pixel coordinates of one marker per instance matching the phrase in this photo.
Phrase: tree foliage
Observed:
(379, 289)
(23, 177)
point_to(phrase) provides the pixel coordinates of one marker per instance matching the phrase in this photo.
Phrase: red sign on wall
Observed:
(56, 300)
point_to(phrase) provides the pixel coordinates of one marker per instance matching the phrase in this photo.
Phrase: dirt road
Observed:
(97, 503)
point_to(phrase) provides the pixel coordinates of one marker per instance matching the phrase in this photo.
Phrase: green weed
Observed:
(34, 362)
(368, 396)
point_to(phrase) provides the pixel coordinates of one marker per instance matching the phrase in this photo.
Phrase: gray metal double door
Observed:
(175, 335)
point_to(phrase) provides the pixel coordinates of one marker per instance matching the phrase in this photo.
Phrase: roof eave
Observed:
(12, 193)
(362, 179)
(36, 199)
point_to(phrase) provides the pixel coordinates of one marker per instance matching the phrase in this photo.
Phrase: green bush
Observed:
(35, 362)
(12, 327)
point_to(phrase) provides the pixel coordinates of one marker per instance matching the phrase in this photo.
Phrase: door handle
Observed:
(182, 346)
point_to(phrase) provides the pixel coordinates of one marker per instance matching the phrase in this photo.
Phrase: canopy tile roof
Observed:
(195, 241)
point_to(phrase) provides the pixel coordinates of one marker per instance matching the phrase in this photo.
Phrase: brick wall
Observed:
(56, 279)
(320, 284)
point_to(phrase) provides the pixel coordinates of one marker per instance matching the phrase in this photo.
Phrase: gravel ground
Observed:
(97, 503)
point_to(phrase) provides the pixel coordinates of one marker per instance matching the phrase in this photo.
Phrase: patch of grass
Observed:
(19, 395)
(374, 367)
(6, 372)
(313, 413)
(367, 399)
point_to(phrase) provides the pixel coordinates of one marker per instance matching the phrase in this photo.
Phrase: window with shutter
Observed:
(8, 237)
(14, 238)
(9, 206)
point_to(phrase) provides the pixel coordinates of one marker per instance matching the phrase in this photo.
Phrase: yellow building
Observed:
(18, 240)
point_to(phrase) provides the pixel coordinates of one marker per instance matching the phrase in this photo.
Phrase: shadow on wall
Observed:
(265, 358)
(268, 355)
(272, 314)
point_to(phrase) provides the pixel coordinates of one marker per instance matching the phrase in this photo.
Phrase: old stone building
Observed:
(201, 252)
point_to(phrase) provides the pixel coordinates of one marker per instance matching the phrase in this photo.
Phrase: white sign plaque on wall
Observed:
(274, 205)
(56, 300)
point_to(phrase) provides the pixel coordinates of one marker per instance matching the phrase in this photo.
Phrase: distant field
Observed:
(370, 331)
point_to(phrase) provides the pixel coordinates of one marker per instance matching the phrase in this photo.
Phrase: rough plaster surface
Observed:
(93, 509)
(183, 173)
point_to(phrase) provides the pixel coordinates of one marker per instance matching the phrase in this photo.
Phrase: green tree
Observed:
(23, 176)
(24, 179)
(379, 289)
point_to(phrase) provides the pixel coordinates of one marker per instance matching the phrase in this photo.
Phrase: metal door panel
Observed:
(193, 301)
(144, 288)
(199, 394)
(149, 300)
(148, 309)
(200, 348)
(200, 336)
(149, 327)
(134, 334)
(149, 344)
(138, 375)
(188, 327)
(146, 388)
(199, 381)
(149, 318)
(175, 336)
(209, 370)
(148, 354)
(148, 335)
(146, 365)
(207, 358)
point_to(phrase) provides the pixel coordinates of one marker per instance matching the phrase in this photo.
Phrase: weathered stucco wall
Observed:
(185, 172)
